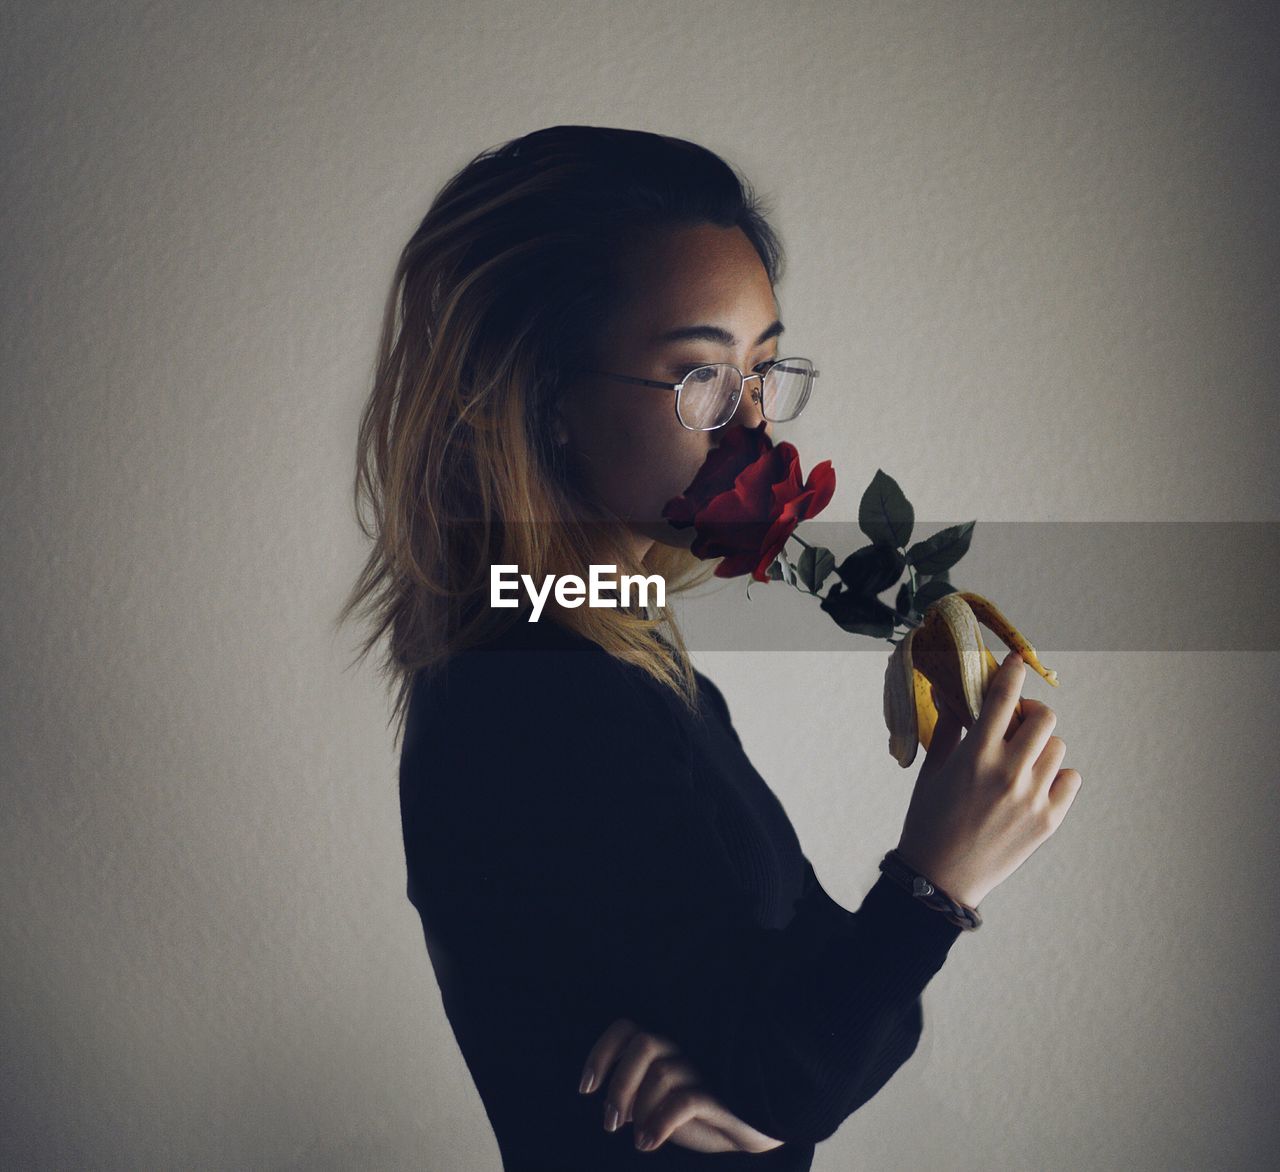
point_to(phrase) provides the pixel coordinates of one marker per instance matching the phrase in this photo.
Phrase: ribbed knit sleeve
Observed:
(564, 808)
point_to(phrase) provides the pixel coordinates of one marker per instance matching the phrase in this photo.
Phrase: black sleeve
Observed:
(579, 817)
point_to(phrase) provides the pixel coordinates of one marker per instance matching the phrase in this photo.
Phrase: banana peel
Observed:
(947, 657)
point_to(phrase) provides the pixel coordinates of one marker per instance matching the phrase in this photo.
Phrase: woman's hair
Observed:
(498, 302)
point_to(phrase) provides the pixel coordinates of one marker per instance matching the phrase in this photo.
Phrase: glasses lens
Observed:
(707, 396)
(786, 388)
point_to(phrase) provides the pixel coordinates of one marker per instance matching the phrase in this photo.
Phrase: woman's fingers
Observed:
(998, 704)
(946, 736)
(684, 1105)
(1029, 742)
(1062, 792)
(1047, 764)
(627, 1058)
(663, 1075)
(604, 1053)
(651, 1084)
(677, 1107)
(634, 1064)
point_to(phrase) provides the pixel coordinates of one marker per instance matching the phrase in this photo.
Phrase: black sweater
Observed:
(580, 848)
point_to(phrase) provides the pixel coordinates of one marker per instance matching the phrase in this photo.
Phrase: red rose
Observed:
(746, 499)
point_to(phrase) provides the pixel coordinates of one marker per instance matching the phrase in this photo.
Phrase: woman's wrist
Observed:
(915, 880)
(949, 878)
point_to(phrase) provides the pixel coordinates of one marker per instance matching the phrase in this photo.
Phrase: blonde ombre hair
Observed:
(496, 305)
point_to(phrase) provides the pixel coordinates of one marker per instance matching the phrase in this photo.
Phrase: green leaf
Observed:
(774, 571)
(903, 602)
(884, 513)
(931, 591)
(871, 569)
(941, 551)
(858, 614)
(815, 567)
(785, 568)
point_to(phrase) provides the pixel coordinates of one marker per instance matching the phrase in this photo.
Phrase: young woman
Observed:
(612, 898)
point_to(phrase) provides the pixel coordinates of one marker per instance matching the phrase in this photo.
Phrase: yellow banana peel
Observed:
(946, 654)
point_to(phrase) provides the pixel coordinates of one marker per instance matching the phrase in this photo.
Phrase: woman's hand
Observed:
(652, 1086)
(984, 804)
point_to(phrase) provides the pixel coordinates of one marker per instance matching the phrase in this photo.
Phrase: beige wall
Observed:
(1035, 244)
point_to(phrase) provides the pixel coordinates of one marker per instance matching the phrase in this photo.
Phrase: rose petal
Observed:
(747, 499)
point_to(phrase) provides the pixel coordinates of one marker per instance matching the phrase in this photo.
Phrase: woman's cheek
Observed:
(663, 489)
(652, 461)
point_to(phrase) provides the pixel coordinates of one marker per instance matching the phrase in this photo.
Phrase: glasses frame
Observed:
(758, 394)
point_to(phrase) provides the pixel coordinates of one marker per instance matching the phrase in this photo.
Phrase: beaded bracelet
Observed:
(960, 914)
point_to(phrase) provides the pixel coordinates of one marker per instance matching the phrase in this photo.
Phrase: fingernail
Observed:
(611, 1118)
(588, 1081)
(644, 1141)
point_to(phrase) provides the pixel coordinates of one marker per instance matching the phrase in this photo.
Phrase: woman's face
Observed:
(692, 295)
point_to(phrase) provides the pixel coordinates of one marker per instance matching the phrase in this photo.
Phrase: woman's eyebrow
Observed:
(715, 334)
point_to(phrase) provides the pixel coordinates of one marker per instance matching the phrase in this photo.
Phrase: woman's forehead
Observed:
(694, 276)
(684, 252)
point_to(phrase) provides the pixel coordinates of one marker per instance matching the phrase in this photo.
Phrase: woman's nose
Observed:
(750, 409)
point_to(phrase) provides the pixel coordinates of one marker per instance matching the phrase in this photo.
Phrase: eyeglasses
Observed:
(708, 396)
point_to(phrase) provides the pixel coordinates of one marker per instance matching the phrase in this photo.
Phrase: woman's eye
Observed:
(705, 373)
